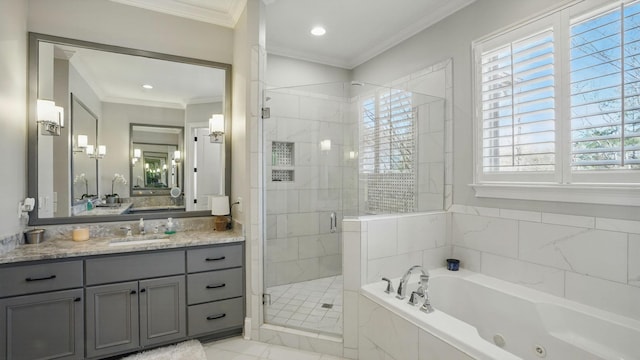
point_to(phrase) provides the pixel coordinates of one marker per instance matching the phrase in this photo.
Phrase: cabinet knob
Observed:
(143, 290)
(132, 292)
(77, 299)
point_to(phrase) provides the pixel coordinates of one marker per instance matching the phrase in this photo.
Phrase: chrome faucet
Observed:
(402, 288)
(424, 285)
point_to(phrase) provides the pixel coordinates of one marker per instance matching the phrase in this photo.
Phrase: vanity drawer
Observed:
(214, 285)
(215, 316)
(110, 269)
(214, 258)
(27, 279)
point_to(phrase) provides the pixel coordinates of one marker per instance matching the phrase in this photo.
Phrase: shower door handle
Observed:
(333, 222)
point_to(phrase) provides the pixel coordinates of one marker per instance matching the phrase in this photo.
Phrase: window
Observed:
(558, 99)
(387, 151)
(518, 109)
(605, 90)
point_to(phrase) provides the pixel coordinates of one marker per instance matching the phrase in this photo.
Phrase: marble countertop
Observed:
(67, 248)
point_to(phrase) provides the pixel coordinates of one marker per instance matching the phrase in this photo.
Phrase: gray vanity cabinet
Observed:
(163, 311)
(124, 316)
(43, 326)
(102, 306)
(112, 318)
(41, 311)
(216, 287)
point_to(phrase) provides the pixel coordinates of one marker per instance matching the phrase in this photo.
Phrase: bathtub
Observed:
(474, 312)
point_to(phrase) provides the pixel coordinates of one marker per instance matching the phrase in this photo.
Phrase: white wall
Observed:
(284, 72)
(13, 97)
(451, 38)
(111, 23)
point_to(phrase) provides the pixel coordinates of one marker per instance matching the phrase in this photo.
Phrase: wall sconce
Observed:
(176, 156)
(101, 151)
(216, 128)
(50, 117)
(81, 144)
(137, 154)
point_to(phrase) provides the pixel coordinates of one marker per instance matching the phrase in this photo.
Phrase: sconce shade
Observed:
(176, 156)
(102, 150)
(216, 124)
(89, 150)
(83, 141)
(47, 111)
(216, 128)
(220, 205)
(137, 153)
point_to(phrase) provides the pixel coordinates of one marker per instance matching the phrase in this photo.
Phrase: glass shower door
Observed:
(306, 167)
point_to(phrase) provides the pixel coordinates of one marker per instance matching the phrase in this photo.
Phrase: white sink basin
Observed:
(135, 242)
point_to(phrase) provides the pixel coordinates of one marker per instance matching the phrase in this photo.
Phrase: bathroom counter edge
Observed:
(67, 248)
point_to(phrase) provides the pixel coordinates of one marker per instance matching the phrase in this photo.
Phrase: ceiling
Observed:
(357, 30)
(119, 78)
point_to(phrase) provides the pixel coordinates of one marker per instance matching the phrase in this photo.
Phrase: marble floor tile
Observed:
(240, 349)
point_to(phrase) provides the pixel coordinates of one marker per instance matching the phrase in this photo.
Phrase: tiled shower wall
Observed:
(299, 243)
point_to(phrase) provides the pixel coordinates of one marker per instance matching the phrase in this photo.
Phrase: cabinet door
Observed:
(162, 310)
(112, 318)
(43, 326)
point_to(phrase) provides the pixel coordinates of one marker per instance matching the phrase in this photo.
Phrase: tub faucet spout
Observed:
(402, 288)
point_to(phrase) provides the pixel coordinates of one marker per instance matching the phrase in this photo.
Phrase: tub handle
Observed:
(389, 289)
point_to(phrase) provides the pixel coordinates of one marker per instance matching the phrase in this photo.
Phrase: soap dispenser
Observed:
(170, 227)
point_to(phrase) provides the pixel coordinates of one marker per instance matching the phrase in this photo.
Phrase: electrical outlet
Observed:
(239, 201)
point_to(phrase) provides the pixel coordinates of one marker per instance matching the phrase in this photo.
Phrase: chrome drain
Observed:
(498, 339)
(327, 306)
(540, 351)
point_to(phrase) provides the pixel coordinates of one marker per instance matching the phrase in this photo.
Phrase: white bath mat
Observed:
(188, 350)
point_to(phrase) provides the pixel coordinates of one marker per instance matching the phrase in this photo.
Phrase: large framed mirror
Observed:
(133, 122)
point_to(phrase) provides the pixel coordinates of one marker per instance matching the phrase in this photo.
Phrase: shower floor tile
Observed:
(300, 305)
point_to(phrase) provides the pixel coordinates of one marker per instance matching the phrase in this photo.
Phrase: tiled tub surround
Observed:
(529, 322)
(591, 260)
(377, 246)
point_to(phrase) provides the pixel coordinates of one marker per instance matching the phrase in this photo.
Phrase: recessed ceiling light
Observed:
(318, 31)
(147, 86)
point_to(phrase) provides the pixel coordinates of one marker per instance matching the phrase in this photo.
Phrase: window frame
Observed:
(618, 187)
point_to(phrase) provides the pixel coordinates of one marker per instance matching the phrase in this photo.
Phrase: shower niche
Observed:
(282, 155)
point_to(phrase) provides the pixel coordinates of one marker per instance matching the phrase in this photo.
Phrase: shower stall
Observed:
(332, 151)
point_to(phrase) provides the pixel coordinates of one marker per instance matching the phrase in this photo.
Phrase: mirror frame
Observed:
(32, 127)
